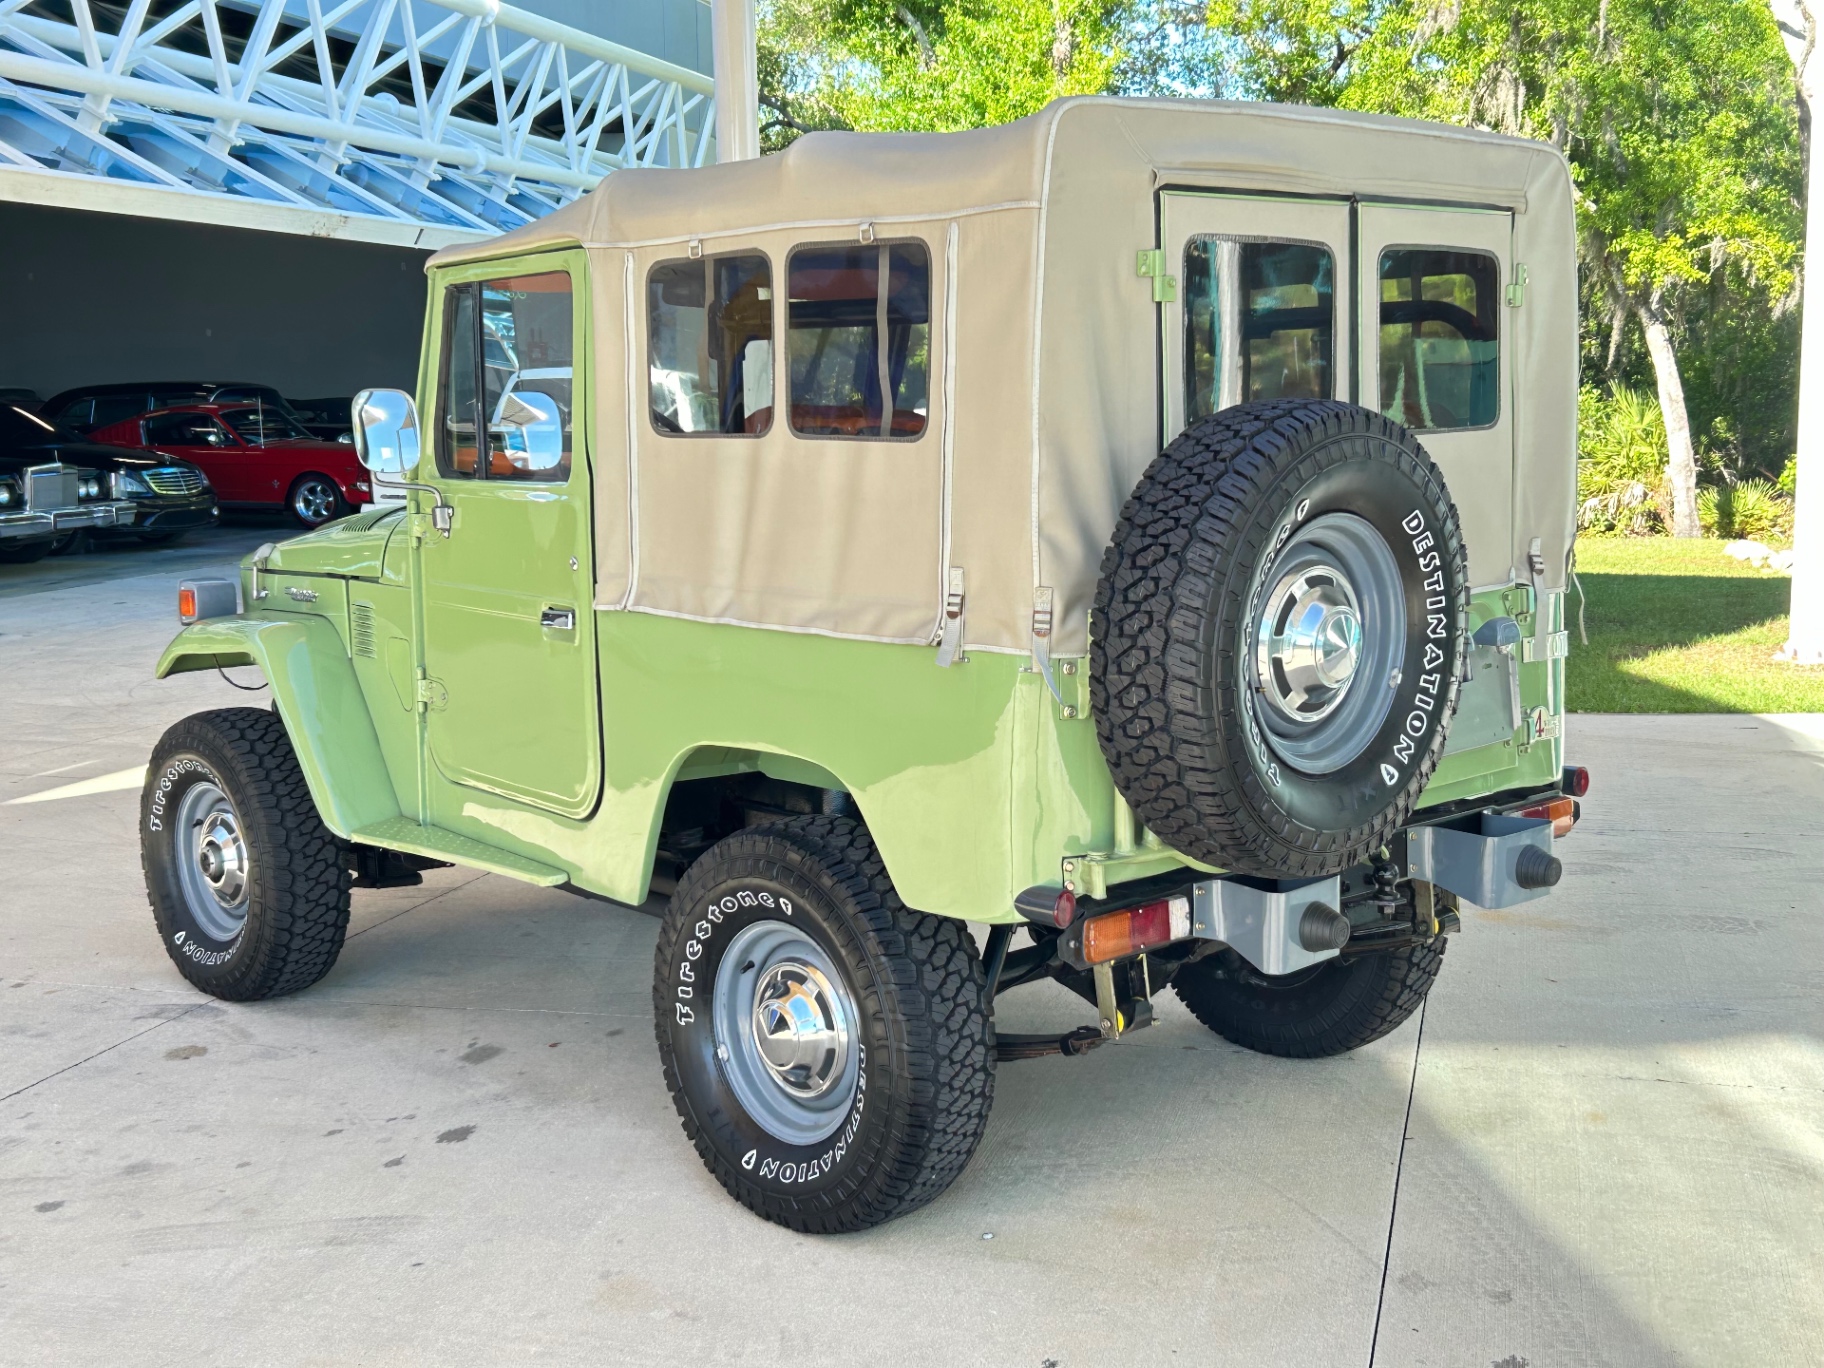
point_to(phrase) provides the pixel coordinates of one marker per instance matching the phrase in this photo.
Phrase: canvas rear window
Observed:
(1259, 322)
(1440, 338)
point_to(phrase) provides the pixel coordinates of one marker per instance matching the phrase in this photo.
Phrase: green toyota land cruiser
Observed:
(1140, 530)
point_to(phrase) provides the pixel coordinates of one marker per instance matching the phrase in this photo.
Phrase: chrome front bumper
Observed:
(55, 521)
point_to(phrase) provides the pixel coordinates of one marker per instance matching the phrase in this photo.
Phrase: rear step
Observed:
(402, 833)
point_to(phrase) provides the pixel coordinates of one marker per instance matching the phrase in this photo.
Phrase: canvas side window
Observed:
(709, 325)
(507, 373)
(1440, 344)
(1259, 322)
(859, 348)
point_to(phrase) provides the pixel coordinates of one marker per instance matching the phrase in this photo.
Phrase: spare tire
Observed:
(1278, 637)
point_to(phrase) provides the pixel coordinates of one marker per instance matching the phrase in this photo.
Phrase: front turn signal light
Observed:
(1116, 935)
(186, 605)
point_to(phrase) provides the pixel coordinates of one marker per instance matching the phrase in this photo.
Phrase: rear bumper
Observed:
(57, 521)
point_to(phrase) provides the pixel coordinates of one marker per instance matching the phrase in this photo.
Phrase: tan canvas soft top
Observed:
(1044, 404)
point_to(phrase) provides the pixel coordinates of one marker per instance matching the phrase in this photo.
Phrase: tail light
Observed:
(1561, 812)
(1576, 781)
(1120, 934)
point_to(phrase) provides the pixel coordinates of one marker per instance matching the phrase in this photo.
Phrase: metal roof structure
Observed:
(410, 122)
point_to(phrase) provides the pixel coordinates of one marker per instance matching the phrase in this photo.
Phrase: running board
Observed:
(402, 833)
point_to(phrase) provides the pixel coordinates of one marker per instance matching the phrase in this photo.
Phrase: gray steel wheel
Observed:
(785, 1025)
(214, 861)
(1327, 637)
(315, 500)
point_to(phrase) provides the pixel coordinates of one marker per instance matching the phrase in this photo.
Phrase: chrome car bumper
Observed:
(59, 520)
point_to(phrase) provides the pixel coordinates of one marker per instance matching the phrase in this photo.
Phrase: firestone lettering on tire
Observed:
(162, 791)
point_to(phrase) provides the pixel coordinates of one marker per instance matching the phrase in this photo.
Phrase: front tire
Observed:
(1330, 1008)
(829, 1050)
(248, 887)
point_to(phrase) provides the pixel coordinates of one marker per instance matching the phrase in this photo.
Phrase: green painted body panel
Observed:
(402, 833)
(354, 547)
(324, 709)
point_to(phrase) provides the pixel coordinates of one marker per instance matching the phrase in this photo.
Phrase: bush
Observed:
(1621, 466)
(1788, 483)
(1753, 510)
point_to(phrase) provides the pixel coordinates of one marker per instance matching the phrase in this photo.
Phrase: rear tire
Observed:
(315, 499)
(1328, 1009)
(829, 1050)
(248, 887)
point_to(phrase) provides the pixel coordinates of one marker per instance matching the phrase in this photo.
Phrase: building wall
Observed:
(677, 30)
(90, 298)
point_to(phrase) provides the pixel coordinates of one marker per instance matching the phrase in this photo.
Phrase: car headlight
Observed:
(130, 485)
(10, 494)
(88, 486)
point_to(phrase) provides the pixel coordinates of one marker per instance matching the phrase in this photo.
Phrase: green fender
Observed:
(319, 700)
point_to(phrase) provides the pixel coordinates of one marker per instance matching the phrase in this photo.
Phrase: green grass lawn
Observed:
(1677, 626)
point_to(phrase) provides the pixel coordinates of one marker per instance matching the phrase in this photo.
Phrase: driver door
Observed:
(509, 641)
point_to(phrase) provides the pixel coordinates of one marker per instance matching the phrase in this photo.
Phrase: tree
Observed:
(902, 65)
(1799, 26)
(1672, 113)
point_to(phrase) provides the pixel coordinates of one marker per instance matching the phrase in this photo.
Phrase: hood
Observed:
(352, 548)
(88, 455)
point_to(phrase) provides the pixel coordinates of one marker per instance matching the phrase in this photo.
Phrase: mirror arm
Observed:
(442, 515)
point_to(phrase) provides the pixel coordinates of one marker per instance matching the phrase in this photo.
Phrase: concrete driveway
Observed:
(1603, 1143)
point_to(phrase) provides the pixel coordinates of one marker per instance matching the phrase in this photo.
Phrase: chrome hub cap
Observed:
(1310, 642)
(799, 1029)
(785, 1032)
(1328, 639)
(213, 863)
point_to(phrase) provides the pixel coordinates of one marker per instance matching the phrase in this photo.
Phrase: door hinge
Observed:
(430, 693)
(1150, 262)
(1516, 291)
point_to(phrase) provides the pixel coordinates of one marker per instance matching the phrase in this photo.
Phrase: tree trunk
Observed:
(1805, 639)
(1681, 460)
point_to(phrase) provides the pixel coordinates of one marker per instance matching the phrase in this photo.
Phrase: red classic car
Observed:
(254, 455)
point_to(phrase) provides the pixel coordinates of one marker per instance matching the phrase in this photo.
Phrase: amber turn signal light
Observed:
(1561, 812)
(1120, 934)
(186, 604)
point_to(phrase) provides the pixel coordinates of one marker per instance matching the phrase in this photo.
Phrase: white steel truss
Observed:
(405, 121)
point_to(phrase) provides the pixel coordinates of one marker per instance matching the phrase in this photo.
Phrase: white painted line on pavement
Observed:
(104, 783)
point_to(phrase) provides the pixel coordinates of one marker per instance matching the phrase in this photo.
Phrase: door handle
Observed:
(558, 619)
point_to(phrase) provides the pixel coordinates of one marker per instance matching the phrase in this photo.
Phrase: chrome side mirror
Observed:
(533, 428)
(386, 431)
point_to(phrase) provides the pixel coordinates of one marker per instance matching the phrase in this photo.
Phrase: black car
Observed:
(52, 484)
(96, 406)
